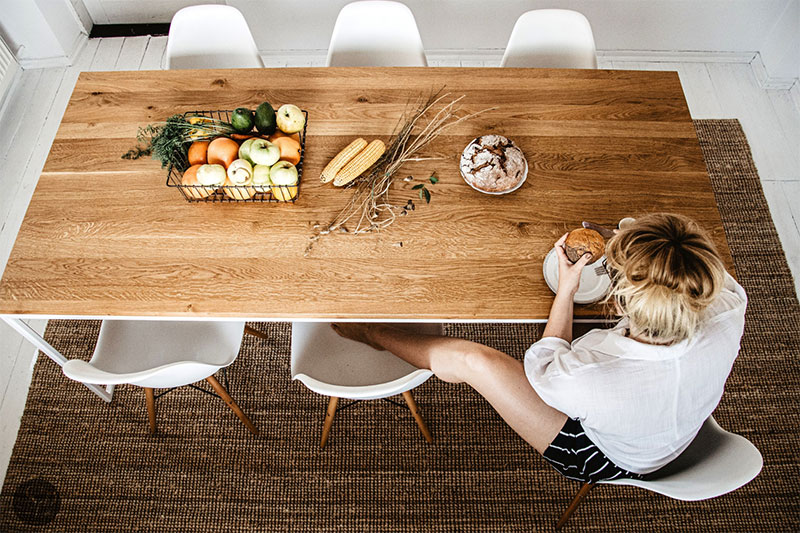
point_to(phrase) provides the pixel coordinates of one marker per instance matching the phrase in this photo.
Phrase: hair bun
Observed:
(583, 240)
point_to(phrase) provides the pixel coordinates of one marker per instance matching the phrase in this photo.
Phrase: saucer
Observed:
(593, 286)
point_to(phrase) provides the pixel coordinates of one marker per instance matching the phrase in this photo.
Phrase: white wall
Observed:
(41, 33)
(715, 25)
(780, 50)
(138, 11)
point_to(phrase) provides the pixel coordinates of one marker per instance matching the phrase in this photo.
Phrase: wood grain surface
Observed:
(104, 236)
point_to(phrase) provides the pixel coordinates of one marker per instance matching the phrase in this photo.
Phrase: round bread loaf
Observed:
(493, 164)
(583, 240)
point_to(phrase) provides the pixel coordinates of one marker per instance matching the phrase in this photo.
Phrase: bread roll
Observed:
(583, 240)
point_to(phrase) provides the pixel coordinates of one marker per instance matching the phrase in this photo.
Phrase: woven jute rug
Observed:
(82, 465)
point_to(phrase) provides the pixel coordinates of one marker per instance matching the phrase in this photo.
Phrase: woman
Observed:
(617, 402)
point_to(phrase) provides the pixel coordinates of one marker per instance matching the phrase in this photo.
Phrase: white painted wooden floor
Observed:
(33, 111)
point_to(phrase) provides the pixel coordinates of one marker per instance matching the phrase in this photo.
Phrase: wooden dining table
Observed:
(104, 237)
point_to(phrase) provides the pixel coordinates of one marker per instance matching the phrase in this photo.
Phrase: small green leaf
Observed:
(415, 187)
(434, 180)
(422, 194)
(427, 195)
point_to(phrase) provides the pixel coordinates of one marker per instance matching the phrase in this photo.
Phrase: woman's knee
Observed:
(466, 361)
(483, 360)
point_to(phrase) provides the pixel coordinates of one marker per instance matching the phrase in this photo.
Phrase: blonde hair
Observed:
(665, 271)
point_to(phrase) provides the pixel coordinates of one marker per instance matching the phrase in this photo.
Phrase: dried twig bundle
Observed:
(370, 206)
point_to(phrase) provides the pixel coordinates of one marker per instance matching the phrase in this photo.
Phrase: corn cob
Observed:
(341, 159)
(360, 163)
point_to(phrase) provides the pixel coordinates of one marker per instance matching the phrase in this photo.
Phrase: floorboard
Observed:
(739, 95)
(154, 54)
(132, 53)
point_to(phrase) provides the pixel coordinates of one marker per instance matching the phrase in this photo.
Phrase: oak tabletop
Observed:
(104, 236)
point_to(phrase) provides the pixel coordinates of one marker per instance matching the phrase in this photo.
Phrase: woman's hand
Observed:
(569, 274)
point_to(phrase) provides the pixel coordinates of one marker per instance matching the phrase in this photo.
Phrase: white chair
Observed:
(376, 33)
(715, 463)
(341, 368)
(163, 354)
(551, 38)
(211, 36)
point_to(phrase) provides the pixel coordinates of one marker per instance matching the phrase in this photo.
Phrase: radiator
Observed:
(8, 68)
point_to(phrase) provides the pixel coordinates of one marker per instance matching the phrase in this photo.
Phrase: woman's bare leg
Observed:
(496, 376)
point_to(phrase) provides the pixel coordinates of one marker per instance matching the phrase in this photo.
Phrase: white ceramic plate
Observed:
(593, 286)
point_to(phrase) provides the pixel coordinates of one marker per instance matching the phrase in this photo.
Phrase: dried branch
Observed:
(370, 204)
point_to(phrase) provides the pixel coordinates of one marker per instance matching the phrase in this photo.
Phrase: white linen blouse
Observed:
(641, 404)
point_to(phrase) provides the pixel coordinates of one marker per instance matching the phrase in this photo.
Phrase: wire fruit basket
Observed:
(236, 193)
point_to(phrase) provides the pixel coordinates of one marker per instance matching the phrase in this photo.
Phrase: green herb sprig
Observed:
(169, 141)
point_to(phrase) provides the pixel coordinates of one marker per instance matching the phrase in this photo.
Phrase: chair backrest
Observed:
(715, 463)
(551, 38)
(158, 353)
(376, 33)
(211, 36)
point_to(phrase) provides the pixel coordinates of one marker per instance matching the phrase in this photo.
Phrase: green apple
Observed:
(283, 173)
(244, 149)
(211, 175)
(261, 181)
(290, 119)
(263, 152)
(240, 172)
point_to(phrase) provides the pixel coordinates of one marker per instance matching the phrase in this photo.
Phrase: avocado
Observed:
(242, 120)
(265, 119)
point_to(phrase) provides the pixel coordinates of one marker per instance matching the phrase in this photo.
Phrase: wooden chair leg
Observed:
(412, 406)
(326, 427)
(256, 333)
(151, 408)
(220, 390)
(576, 501)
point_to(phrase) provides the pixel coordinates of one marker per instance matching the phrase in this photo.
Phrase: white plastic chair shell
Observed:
(551, 38)
(334, 366)
(376, 33)
(211, 36)
(158, 354)
(715, 463)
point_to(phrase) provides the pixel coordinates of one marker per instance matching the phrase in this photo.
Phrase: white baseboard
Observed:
(676, 56)
(44, 62)
(794, 92)
(769, 82)
(77, 46)
(495, 54)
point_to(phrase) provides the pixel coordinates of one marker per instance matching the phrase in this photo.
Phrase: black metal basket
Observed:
(237, 193)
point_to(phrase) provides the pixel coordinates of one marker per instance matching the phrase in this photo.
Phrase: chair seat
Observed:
(715, 463)
(334, 366)
(158, 353)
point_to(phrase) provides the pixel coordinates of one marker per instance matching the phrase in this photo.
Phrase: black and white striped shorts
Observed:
(578, 458)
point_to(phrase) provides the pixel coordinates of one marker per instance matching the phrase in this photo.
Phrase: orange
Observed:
(198, 152)
(190, 178)
(290, 149)
(222, 151)
(279, 133)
